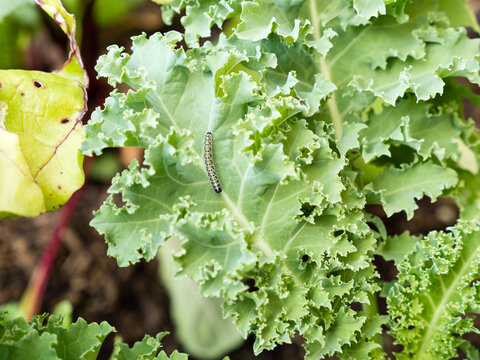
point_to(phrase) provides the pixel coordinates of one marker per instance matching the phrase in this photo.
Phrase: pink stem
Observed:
(33, 295)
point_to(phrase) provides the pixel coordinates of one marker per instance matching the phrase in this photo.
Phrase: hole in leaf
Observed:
(434, 110)
(65, 121)
(209, 269)
(474, 281)
(304, 151)
(399, 155)
(251, 285)
(38, 84)
(305, 258)
(118, 201)
(338, 233)
(356, 306)
(307, 209)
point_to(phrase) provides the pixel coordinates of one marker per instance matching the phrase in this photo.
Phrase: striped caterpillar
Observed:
(209, 164)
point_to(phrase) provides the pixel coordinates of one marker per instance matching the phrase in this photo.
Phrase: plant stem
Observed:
(33, 295)
(331, 102)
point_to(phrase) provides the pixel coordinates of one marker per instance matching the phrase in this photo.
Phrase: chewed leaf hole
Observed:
(474, 281)
(305, 258)
(251, 284)
(38, 84)
(307, 209)
(118, 201)
(65, 121)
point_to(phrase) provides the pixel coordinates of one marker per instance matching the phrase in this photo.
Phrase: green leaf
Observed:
(467, 196)
(7, 7)
(57, 340)
(41, 131)
(397, 247)
(281, 199)
(80, 340)
(281, 19)
(424, 77)
(460, 13)
(431, 304)
(43, 145)
(369, 8)
(399, 188)
(420, 53)
(108, 13)
(200, 17)
(17, 178)
(424, 128)
(19, 340)
(145, 349)
(306, 102)
(73, 68)
(344, 327)
(199, 323)
(343, 13)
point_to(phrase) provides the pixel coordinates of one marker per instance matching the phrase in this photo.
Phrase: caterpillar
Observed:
(209, 164)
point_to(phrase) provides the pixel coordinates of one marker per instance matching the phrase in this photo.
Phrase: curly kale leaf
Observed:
(316, 109)
(279, 221)
(432, 304)
(47, 337)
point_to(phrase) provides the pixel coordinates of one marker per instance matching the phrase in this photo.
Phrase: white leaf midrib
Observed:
(432, 326)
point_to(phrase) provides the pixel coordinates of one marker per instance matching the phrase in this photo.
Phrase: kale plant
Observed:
(317, 109)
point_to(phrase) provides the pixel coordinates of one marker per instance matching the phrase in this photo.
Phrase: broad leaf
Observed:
(281, 198)
(307, 104)
(41, 131)
(199, 324)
